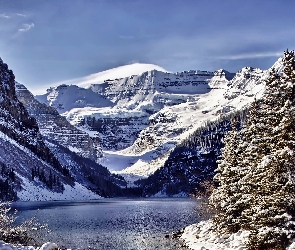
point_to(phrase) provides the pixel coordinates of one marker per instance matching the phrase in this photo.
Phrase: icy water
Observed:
(113, 223)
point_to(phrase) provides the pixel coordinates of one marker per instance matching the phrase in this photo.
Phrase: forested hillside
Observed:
(194, 160)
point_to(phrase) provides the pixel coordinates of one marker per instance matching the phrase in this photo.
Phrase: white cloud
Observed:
(26, 27)
(119, 72)
(4, 16)
(251, 55)
(21, 15)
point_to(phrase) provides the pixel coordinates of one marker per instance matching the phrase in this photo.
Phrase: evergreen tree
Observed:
(263, 172)
(227, 198)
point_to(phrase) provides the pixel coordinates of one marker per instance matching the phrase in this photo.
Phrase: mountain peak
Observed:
(119, 72)
(224, 73)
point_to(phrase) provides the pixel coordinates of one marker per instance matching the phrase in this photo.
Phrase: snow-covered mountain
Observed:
(169, 126)
(151, 113)
(32, 168)
(133, 100)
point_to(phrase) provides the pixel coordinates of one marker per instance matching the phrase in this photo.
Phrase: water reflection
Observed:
(112, 223)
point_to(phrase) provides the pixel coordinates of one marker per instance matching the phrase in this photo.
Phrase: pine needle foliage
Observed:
(256, 175)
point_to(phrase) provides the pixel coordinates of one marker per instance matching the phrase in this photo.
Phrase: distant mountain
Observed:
(152, 113)
(76, 98)
(133, 100)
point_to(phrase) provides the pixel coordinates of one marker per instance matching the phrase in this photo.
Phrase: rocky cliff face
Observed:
(16, 122)
(22, 147)
(55, 127)
(115, 133)
(152, 90)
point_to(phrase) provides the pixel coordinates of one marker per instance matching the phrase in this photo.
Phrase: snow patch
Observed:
(30, 192)
(201, 237)
(45, 246)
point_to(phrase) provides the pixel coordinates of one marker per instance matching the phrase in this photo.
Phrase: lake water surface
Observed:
(112, 223)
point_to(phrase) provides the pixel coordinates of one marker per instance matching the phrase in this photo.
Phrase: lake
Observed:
(112, 223)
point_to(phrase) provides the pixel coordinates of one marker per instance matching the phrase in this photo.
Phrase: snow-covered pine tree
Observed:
(265, 166)
(233, 195)
(225, 199)
(272, 212)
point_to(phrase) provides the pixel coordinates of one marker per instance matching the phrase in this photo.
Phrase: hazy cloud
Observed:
(127, 37)
(4, 16)
(26, 27)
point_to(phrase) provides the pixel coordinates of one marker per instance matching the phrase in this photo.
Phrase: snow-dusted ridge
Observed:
(45, 246)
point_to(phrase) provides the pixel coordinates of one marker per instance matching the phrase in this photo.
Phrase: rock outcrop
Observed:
(55, 127)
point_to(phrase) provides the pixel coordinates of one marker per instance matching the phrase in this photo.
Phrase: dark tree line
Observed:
(52, 181)
(8, 182)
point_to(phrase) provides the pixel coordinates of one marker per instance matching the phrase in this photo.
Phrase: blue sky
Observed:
(45, 42)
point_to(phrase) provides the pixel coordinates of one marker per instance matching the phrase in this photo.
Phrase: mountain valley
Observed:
(157, 133)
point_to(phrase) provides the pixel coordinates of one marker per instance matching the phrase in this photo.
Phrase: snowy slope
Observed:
(22, 160)
(76, 98)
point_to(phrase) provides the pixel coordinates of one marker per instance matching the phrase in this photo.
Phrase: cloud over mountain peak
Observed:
(118, 72)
